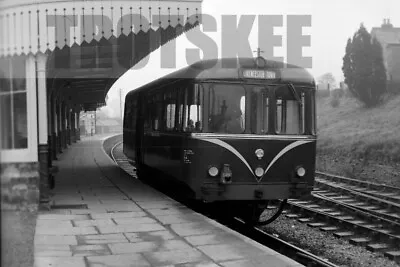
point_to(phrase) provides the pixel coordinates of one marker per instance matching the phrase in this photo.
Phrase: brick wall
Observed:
(19, 186)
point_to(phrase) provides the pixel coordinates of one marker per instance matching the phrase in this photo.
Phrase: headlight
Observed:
(259, 172)
(213, 171)
(259, 153)
(300, 171)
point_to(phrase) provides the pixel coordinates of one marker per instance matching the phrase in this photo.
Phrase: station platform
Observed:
(101, 216)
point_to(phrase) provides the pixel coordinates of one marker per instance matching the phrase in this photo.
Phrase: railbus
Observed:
(237, 132)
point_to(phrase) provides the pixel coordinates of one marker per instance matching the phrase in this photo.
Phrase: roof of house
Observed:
(387, 34)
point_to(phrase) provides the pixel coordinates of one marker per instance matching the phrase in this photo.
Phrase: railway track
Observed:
(304, 257)
(364, 213)
(386, 192)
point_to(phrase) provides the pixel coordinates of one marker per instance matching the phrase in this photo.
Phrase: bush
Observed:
(337, 93)
(334, 101)
(323, 93)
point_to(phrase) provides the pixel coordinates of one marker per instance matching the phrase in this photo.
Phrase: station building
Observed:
(59, 58)
(389, 37)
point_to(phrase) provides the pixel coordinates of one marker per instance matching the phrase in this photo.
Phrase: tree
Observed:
(326, 79)
(363, 68)
(348, 68)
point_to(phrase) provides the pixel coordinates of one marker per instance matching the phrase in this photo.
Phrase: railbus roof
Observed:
(229, 69)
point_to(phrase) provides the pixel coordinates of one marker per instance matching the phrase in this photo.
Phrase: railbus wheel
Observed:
(263, 212)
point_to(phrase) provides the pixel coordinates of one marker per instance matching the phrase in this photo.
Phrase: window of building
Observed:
(227, 109)
(13, 104)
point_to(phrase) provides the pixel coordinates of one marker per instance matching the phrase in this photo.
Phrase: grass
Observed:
(359, 132)
(357, 139)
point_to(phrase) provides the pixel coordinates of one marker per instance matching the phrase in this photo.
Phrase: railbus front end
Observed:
(257, 144)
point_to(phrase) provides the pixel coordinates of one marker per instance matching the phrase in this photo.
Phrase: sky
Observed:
(332, 23)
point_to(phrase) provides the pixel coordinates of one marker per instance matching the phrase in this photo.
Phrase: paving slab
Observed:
(196, 228)
(62, 217)
(132, 260)
(90, 250)
(169, 211)
(212, 239)
(101, 239)
(156, 236)
(53, 223)
(130, 228)
(198, 264)
(55, 240)
(122, 248)
(57, 231)
(97, 222)
(159, 204)
(140, 220)
(179, 218)
(162, 258)
(42, 261)
(132, 214)
(45, 250)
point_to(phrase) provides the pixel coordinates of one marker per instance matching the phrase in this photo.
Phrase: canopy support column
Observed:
(43, 146)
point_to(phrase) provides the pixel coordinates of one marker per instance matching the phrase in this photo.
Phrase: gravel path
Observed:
(325, 245)
(17, 233)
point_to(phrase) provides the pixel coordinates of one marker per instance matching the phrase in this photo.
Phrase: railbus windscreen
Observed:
(227, 103)
(288, 105)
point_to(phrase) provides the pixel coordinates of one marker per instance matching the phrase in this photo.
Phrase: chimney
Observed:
(386, 24)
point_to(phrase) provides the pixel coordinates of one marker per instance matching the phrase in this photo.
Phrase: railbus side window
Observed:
(193, 103)
(157, 111)
(180, 94)
(289, 111)
(260, 110)
(148, 109)
(313, 114)
(170, 106)
(134, 111)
